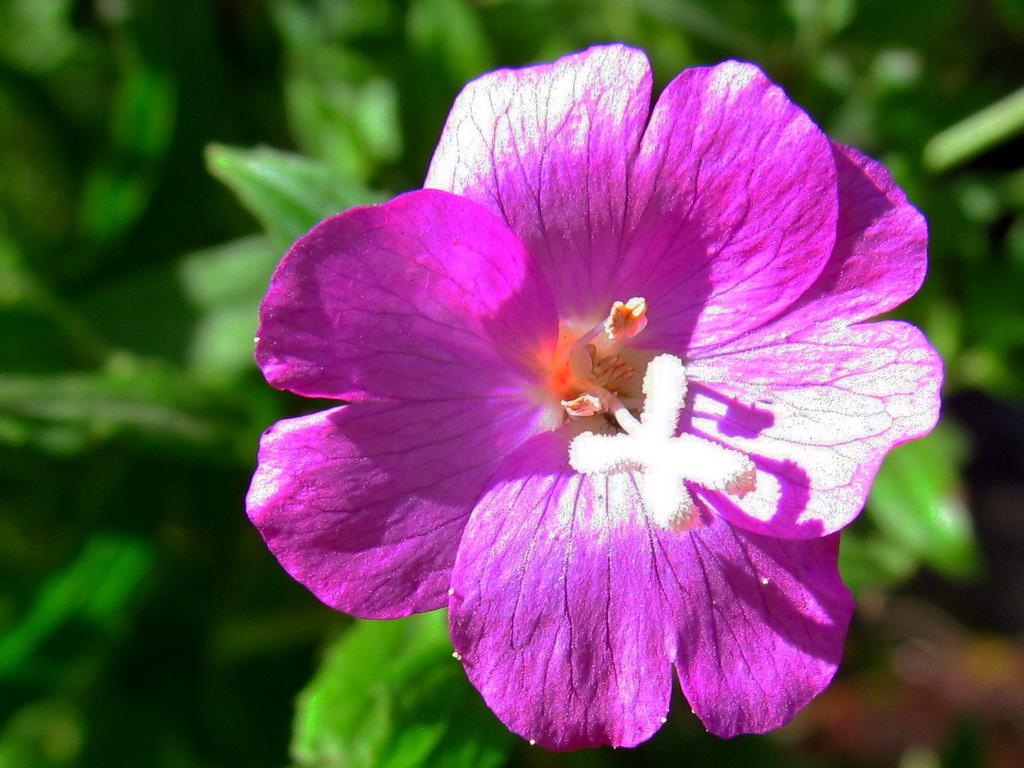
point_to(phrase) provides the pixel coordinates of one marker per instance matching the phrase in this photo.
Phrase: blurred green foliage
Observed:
(389, 694)
(157, 159)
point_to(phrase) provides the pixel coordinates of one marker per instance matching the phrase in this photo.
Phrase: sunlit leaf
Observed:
(35, 34)
(288, 193)
(353, 124)
(977, 133)
(342, 106)
(872, 561)
(917, 502)
(449, 35)
(226, 283)
(389, 695)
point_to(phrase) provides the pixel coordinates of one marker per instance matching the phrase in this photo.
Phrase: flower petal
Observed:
(549, 148)
(427, 296)
(733, 208)
(569, 606)
(881, 250)
(365, 504)
(555, 609)
(761, 623)
(817, 414)
(878, 262)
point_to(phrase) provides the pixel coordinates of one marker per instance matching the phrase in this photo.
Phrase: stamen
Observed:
(583, 342)
(626, 320)
(627, 420)
(581, 360)
(623, 321)
(587, 366)
(649, 445)
(743, 483)
(612, 372)
(584, 405)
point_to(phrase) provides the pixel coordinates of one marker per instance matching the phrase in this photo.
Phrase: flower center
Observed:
(589, 382)
(586, 368)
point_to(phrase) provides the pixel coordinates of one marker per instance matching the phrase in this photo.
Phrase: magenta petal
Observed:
(817, 414)
(761, 623)
(365, 504)
(569, 606)
(881, 246)
(427, 296)
(549, 148)
(555, 613)
(878, 262)
(733, 207)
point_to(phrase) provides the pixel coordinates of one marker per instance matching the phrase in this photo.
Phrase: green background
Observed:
(156, 159)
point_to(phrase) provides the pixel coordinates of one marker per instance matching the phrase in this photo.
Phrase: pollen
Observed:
(626, 319)
(584, 405)
(665, 461)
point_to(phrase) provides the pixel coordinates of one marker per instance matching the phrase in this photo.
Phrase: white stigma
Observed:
(666, 461)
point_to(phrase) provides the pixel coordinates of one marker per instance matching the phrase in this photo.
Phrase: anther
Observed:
(743, 483)
(626, 320)
(588, 371)
(584, 405)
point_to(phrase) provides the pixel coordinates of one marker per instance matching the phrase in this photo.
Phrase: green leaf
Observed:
(226, 284)
(144, 113)
(142, 122)
(46, 733)
(112, 201)
(64, 414)
(976, 134)
(449, 34)
(872, 561)
(917, 503)
(94, 592)
(352, 125)
(36, 35)
(287, 193)
(389, 695)
(343, 106)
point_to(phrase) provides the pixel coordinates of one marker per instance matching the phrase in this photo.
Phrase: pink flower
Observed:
(609, 395)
